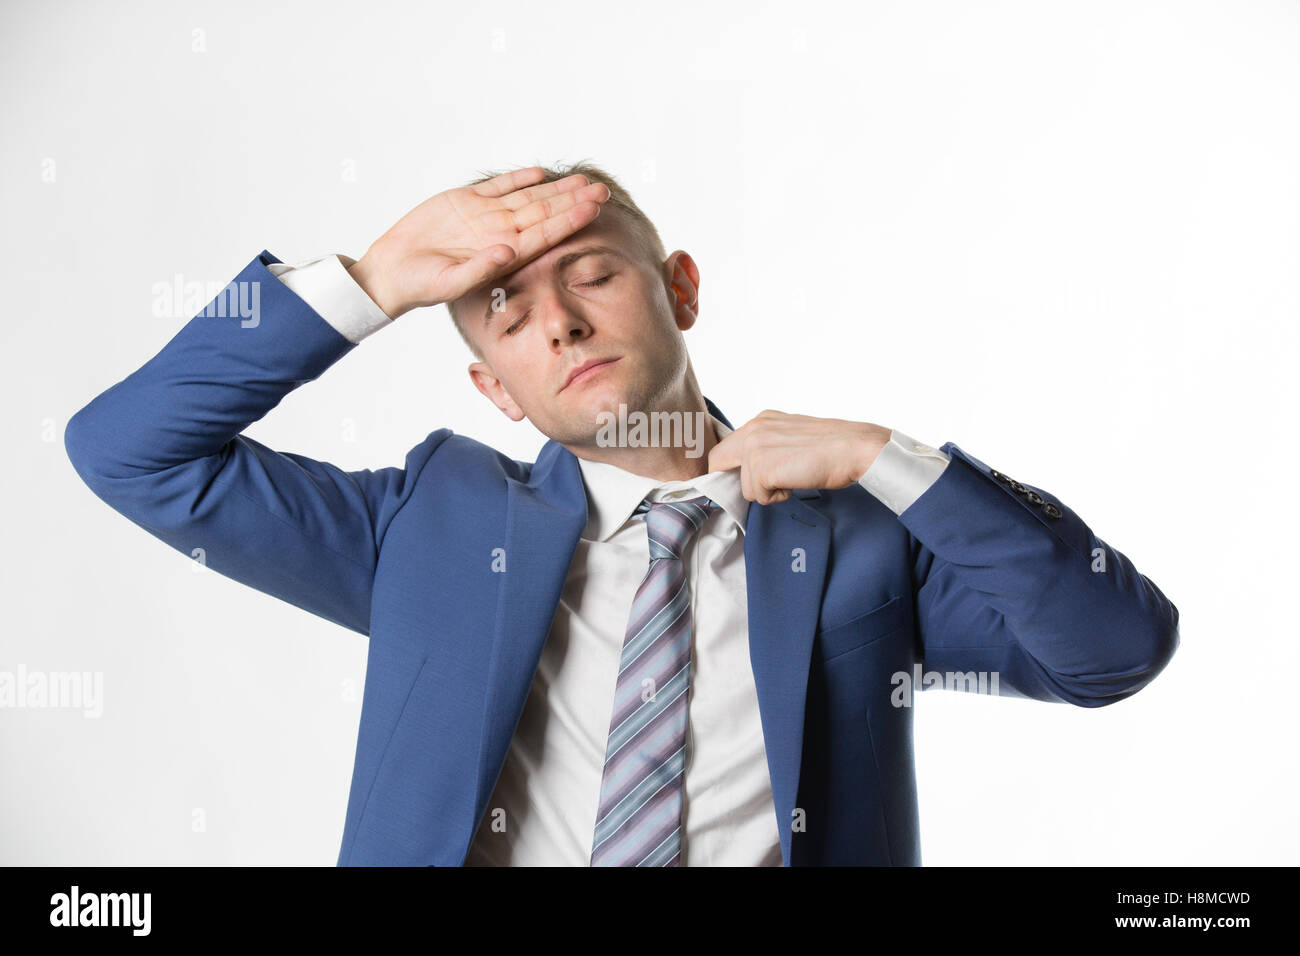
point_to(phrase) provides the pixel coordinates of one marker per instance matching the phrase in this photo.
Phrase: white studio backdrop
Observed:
(1061, 235)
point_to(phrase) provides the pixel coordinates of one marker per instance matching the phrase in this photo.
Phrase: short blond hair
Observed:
(620, 201)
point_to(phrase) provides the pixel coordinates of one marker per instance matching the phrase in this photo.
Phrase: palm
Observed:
(444, 241)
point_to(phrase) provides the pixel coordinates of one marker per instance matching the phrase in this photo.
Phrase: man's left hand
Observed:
(777, 453)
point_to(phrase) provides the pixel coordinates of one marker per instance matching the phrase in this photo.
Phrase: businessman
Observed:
(685, 643)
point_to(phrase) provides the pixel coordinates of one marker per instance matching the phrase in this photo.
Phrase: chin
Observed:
(581, 421)
(602, 397)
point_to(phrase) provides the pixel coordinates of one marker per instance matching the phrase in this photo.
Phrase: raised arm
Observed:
(164, 446)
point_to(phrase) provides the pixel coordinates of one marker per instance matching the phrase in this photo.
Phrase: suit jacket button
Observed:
(1017, 487)
(1033, 497)
(1051, 510)
(999, 476)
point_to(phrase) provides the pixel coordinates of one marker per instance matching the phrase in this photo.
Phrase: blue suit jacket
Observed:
(980, 574)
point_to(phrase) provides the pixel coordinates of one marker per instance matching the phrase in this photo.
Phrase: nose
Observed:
(564, 323)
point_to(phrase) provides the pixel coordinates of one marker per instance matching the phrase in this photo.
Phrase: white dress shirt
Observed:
(543, 810)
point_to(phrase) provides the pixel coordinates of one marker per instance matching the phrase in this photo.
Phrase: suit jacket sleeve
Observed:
(163, 447)
(1009, 580)
(326, 285)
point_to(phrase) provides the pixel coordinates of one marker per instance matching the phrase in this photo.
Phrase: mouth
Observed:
(588, 369)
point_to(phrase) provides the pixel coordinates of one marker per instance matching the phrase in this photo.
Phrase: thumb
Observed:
(481, 267)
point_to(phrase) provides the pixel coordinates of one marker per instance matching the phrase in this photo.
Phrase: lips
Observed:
(585, 367)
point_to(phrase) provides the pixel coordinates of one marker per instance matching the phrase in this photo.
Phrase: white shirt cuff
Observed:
(325, 285)
(903, 471)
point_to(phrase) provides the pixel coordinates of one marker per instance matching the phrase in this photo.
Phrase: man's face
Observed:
(595, 297)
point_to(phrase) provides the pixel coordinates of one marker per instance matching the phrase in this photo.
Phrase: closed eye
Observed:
(519, 323)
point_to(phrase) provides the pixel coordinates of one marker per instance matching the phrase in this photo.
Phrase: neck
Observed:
(668, 444)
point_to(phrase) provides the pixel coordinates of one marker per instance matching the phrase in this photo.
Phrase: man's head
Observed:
(607, 292)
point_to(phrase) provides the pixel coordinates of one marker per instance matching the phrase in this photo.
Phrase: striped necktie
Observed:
(639, 822)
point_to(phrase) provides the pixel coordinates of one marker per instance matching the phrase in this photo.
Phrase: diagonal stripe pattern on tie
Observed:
(640, 815)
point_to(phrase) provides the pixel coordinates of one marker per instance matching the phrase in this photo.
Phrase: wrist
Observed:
(874, 439)
(369, 278)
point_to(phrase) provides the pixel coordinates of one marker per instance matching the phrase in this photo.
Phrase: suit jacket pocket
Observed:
(862, 630)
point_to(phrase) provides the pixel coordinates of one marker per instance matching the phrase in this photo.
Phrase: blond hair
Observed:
(620, 201)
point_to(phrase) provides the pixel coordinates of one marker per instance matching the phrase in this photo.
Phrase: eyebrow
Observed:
(560, 265)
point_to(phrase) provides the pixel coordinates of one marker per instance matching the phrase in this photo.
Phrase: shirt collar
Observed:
(613, 493)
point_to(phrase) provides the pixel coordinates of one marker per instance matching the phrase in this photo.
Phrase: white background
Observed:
(1061, 235)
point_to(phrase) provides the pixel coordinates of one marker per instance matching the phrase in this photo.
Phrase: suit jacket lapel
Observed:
(787, 549)
(786, 552)
(545, 516)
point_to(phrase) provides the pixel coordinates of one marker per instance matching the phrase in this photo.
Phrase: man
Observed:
(633, 651)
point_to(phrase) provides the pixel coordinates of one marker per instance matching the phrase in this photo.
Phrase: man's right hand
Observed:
(459, 239)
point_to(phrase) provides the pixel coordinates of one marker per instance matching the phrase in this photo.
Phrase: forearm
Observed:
(1009, 566)
(215, 377)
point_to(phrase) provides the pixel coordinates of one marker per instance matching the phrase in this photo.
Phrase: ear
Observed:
(487, 383)
(682, 281)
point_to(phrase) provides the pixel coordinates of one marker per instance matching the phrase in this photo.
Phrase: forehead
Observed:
(607, 231)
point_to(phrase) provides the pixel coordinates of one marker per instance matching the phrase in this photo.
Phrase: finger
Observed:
(768, 495)
(727, 453)
(509, 182)
(537, 239)
(543, 209)
(522, 197)
(747, 483)
(479, 268)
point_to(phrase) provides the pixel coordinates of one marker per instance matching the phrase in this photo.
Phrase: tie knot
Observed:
(670, 524)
